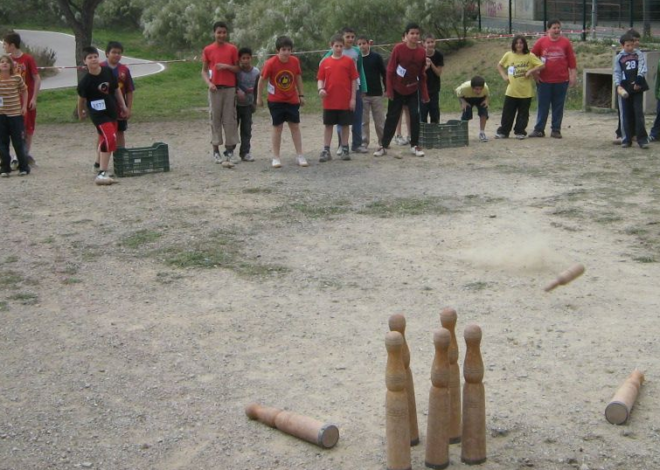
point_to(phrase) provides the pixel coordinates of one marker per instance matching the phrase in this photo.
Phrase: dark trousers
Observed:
(518, 109)
(632, 118)
(550, 95)
(655, 130)
(431, 109)
(12, 129)
(394, 108)
(244, 117)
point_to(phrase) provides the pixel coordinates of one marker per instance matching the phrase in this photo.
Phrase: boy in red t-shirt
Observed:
(283, 78)
(219, 69)
(337, 85)
(27, 69)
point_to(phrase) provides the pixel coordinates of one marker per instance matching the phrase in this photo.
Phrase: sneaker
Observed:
(339, 151)
(644, 145)
(13, 164)
(227, 163)
(521, 136)
(361, 149)
(276, 163)
(325, 156)
(229, 156)
(97, 168)
(501, 136)
(626, 145)
(247, 157)
(416, 151)
(482, 137)
(4, 175)
(536, 133)
(217, 157)
(102, 179)
(302, 161)
(345, 155)
(31, 161)
(400, 140)
(380, 152)
(555, 134)
(25, 173)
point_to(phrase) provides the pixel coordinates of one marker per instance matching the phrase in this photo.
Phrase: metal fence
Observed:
(598, 16)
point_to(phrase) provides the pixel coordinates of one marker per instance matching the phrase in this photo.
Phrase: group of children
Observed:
(351, 83)
(19, 87)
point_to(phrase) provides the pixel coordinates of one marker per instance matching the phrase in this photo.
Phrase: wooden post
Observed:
(437, 431)
(473, 446)
(303, 427)
(448, 320)
(619, 408)
(397, 322)
(397, 424)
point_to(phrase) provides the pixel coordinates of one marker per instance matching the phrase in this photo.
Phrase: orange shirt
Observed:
(281, 79)
(338, 76)
(221, 54)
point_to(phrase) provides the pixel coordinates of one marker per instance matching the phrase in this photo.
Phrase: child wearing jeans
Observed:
(13, 106)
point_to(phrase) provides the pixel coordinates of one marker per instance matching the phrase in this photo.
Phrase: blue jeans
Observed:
(550, 94)
(655, 130)
(356, 127)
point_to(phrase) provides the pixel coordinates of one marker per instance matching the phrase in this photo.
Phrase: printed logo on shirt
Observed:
(104, 88)
(284, 80)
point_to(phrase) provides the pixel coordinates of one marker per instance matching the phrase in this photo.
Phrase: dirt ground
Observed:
(138, 320)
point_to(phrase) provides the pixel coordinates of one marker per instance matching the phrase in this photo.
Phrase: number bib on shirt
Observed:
(400, 71)
(2, 102)
(97, 105)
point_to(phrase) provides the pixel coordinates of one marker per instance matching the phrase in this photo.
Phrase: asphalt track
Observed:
(64, 46)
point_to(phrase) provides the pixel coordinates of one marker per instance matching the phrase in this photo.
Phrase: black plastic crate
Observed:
(439, 136)
(141, 160)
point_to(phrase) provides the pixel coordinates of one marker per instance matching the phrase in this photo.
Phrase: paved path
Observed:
(64, 46)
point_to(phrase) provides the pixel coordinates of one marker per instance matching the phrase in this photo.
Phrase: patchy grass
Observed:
(25, 298)
(477, 286)
(315, 210)
(257, 191)
(405, 207)
(220, 249)
(645, 259)
(10, 279)
(71, 280)
(140, 238)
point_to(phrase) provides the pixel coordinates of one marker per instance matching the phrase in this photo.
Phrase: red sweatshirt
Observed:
(405, 71)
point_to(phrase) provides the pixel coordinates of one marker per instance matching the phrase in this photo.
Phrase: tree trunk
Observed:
(81, 21)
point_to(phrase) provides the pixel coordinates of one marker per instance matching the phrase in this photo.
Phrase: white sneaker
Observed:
(302, 161)
(229, 155)
(521, 136)
(102, 179)
(339, 150)
(276, 163)
(400, 140)
(227, 163)
(217, 157)
(361, 149)
(248, 157)
(13, 164)
(501, 136)
(416, 151)
(482, 137)
(380, 152)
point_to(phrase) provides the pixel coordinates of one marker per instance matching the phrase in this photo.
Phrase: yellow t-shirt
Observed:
(516, 66)
(464, 90)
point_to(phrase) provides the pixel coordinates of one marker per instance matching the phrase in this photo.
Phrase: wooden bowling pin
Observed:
(473, 446)
(448, 320)
(567, 276)
(321, 434)
(619, 408)
(437, 431)
(397, 424)
(397, 322)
